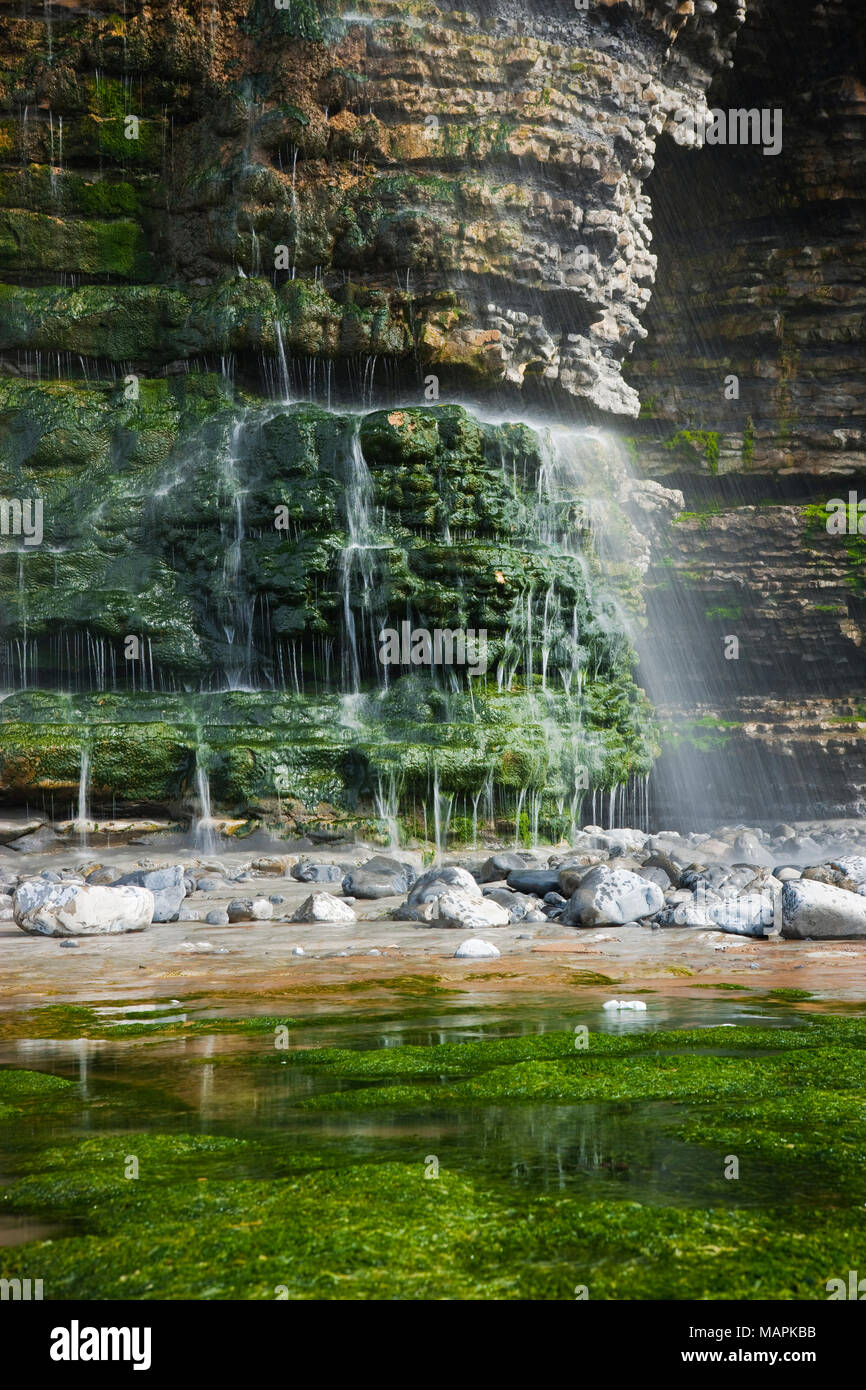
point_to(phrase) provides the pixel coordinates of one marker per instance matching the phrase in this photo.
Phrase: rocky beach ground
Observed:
(790, 905)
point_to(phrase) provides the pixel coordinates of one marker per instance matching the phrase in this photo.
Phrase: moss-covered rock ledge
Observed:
(214, 575)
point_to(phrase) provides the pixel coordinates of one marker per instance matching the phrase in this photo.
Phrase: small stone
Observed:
(476, 949)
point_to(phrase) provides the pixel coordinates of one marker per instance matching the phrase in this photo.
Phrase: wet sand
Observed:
(255, 959)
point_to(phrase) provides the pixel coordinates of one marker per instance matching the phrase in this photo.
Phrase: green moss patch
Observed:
(201, 1220)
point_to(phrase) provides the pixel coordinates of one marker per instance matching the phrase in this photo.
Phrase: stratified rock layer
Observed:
(753, 390)
(457, 192)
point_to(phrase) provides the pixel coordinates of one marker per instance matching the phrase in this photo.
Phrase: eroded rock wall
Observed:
(762, 277)
(456, 192)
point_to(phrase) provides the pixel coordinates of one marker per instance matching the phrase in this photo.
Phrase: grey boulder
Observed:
(821, 911)
(441, 880)
(538, 881)
(379, 877)
(250, 910)
(517, 905)
(308, 872)
(499, 866)
(610, 897)
(166, 885)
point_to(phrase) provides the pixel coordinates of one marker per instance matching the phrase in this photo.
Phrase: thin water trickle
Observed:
(83, 816)
(203, 830)
(358, 573)
(285, 383)
(442, 807)
(387, 800)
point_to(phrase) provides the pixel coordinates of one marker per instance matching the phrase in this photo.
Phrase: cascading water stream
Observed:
(442, 806)
(203, 835)
(551, 646)
(358, 571)
(237, 604)
(387, 801)
(282, 362)
(83, 816)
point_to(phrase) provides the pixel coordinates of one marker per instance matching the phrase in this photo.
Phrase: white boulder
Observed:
(81, 909)
(609, 897)
(743, 914)
(821, 911)
(447, 878)
(323, 907)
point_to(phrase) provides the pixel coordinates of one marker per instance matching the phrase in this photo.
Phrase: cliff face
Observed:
(762, 276)
(203, 208)
(459, 193)
(215, 583)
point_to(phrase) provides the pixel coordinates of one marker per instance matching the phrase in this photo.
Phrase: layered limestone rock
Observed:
(459, 193)
(753, 397)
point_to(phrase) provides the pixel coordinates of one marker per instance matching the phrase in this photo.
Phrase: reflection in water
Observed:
(237, 1086)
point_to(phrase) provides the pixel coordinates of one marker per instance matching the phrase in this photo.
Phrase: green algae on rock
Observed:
(267, 604)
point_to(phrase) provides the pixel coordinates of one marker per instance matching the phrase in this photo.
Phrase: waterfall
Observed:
(441, 816)
(46, 6)
(561, 634)
(358, 572)
(81, 820)
(202, 831)
(485, 793)
(387, 799)
(237, 607)
(521, 797)
(282, 362)
(52, 176)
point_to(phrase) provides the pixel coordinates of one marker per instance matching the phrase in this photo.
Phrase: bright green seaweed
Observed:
(256, 1217)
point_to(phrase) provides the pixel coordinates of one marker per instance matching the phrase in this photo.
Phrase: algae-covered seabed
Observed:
(409, 1136)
